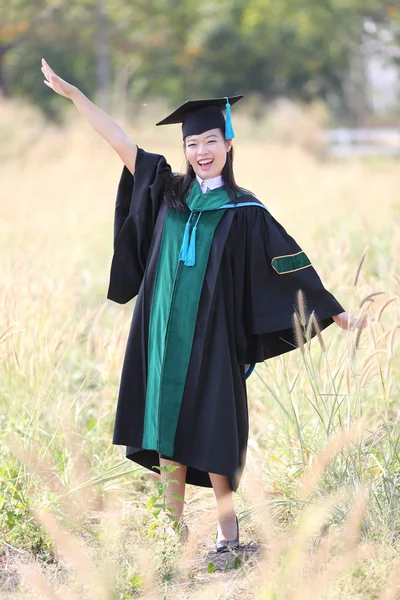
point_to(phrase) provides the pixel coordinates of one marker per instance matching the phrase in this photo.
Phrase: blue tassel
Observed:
(185, 242)
(229, 133)
(191, 254)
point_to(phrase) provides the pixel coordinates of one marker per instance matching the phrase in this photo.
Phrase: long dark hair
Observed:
(178, 185)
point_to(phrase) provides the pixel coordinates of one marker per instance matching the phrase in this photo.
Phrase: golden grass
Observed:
(61, 350)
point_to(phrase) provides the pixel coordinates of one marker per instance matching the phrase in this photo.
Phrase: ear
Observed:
(228, 145)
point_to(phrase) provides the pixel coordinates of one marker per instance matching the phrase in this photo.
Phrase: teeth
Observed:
(205, 162)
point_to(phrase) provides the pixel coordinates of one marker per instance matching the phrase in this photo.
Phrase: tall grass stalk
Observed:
(61, 351)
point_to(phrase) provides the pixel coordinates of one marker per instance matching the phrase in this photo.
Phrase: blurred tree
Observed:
(62, 32)
(9, 36)
(176, 50)
(103, 58)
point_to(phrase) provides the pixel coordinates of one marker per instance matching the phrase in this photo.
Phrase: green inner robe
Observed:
(173, 315)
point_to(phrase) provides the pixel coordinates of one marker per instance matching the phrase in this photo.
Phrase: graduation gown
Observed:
(244, 315)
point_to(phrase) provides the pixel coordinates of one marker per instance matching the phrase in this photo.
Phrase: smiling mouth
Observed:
(205, 163)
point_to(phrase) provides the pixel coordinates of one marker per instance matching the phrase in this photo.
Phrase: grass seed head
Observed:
(370, 298)
(359, 266)
(298, 333)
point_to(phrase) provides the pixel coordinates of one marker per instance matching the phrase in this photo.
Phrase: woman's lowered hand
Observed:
(346, 321)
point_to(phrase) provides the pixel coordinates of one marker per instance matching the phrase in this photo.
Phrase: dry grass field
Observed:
(319, 503)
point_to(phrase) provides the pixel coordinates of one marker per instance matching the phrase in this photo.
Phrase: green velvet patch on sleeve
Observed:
(290, 262)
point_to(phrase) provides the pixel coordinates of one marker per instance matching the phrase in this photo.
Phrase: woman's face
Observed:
(206, 152)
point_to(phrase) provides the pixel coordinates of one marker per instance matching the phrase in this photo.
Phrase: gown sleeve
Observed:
(274, 269)
(138, 202)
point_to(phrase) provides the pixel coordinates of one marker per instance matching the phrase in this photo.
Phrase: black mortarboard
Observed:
(198, 116)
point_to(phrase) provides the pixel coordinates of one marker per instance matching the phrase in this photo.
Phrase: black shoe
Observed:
(226, 545)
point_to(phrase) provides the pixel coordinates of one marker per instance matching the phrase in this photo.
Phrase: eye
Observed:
(191, 145)
(212, 141)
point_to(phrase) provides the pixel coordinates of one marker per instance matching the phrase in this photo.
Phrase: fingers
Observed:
(363, 321)
(351, 323)
(45, 72)
(49, 76)
(347, 321)
(46, 69)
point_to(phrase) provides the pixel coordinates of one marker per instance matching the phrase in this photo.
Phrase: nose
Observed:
(202, 149)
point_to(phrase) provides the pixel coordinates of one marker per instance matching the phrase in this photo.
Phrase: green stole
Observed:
(173, 315)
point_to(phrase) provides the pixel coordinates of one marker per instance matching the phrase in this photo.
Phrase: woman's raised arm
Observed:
(99, 120)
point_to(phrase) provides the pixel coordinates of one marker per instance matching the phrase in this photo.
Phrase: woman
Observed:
(216, 279)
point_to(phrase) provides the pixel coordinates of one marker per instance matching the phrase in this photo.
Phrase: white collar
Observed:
(212, 184)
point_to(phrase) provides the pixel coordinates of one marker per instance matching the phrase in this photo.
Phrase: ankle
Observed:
(229, 517)
(227, 527)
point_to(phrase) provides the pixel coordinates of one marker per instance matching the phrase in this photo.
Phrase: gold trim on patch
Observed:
(289, 256)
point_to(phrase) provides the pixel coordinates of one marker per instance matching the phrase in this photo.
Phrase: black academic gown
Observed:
(245, 316)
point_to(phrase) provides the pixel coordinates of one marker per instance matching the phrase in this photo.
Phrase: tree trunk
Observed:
(356, 86)
(3, 52)
(103, 58)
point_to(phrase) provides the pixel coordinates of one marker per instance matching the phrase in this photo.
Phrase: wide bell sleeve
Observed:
(274, 268)
(138, 202)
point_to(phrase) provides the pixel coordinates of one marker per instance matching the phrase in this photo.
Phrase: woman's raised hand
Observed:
(55, 82)
(98, 119)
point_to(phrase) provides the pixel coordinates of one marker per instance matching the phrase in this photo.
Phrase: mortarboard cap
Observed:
(198, 116)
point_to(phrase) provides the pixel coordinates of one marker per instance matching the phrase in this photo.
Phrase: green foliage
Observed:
(211, 567)
(158, 503)
(313, 418)
(17, 526)
(179, 49)
(58, 389)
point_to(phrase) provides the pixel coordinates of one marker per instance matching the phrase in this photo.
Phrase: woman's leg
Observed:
(227, 529)
(177, 488)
